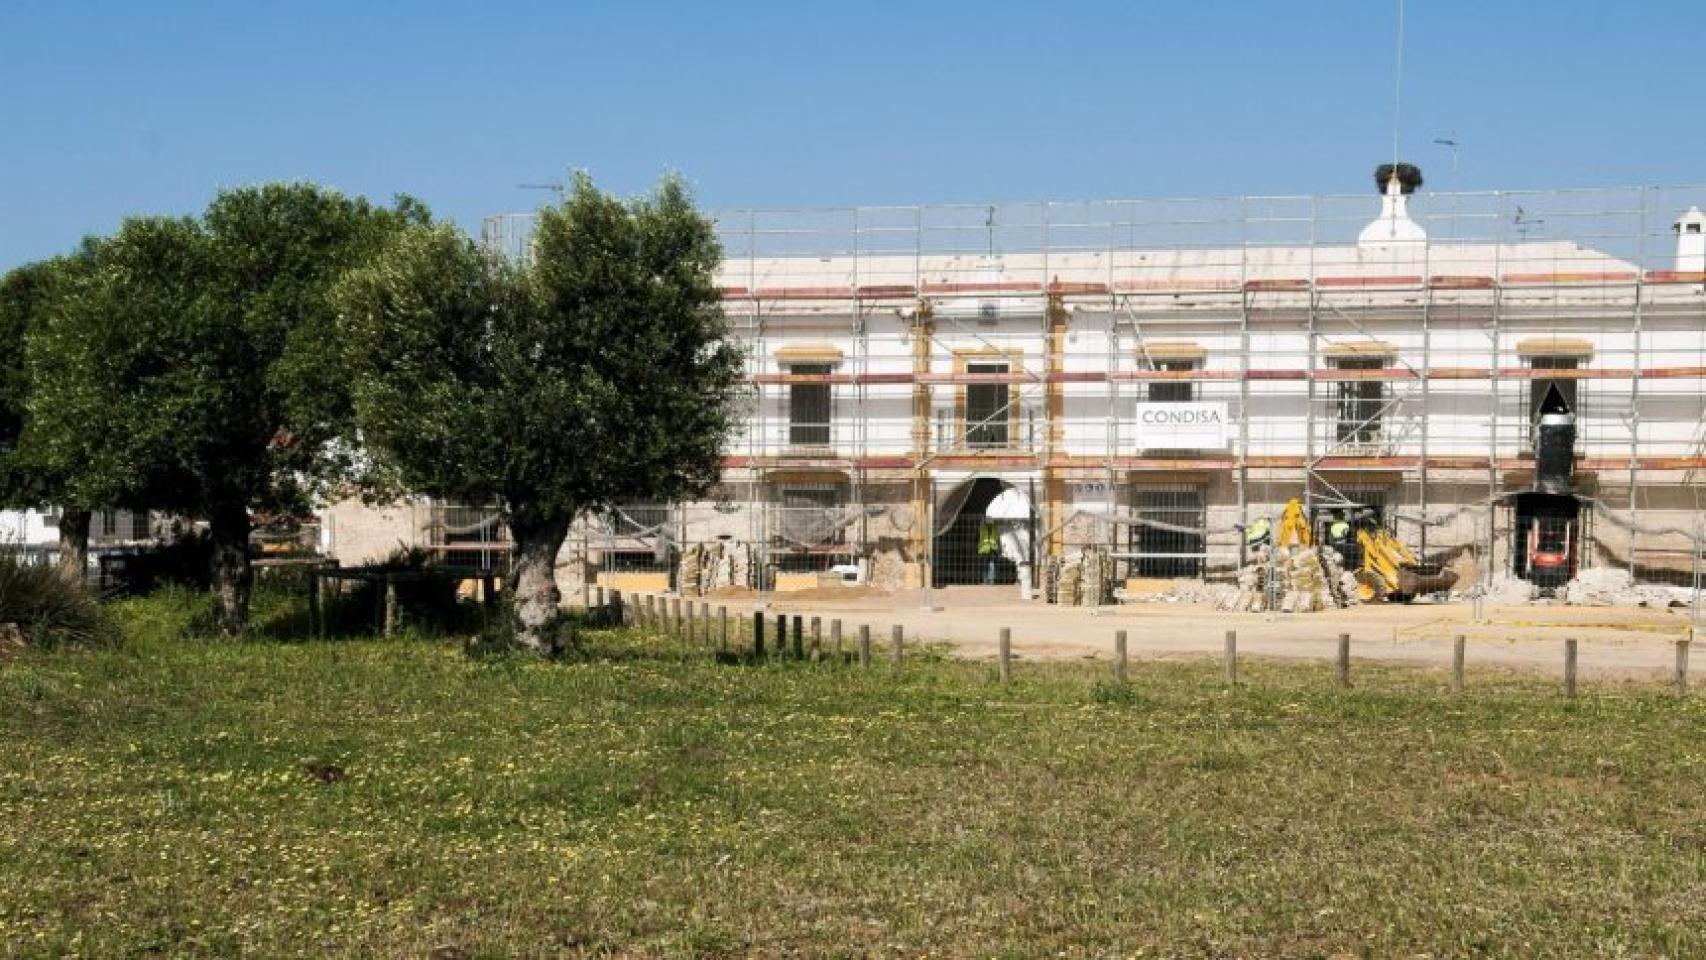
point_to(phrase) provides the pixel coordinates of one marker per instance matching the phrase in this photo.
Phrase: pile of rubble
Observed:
(1616, 587)
(705, 567)
(1292, 579)
(1086, 580)
(1506, 589)
(1218, 595)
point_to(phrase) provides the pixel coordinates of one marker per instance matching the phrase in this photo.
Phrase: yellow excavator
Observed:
(1392, 573)
(1294, 526)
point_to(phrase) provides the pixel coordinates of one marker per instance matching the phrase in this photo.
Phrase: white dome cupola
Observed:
(1393, 227)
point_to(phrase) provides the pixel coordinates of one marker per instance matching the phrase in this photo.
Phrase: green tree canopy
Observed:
(28, 296)
(598, 371)
(194, 367)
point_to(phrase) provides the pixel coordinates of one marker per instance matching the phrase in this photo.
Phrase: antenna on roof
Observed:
(1397, 82)
(1524, 223)
(1454, 144)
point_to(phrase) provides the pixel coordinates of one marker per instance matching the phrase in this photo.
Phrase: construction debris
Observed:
(1085, 580)
(708, 567)
(1616, 587)
(1293, 579)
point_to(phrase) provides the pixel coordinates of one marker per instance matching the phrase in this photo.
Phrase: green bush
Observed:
(49, 606)
(187, 561)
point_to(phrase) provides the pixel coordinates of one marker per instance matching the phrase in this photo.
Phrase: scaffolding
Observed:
(898, 354)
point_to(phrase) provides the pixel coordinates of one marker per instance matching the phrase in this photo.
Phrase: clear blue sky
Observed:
(110, 109)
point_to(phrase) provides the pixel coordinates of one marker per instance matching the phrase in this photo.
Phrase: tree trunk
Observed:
(233, 578)
(533, 580)
(74, 543)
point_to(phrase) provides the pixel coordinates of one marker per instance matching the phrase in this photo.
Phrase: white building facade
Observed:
(1153, 376)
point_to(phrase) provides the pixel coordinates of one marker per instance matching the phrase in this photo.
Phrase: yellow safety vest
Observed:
(988, 539)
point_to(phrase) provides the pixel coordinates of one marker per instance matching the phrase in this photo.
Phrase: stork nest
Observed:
(1409, 176)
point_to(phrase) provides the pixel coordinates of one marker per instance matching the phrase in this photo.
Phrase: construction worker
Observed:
(989, 547)
(1342, 538)
(1258, 533)
(1339, 531)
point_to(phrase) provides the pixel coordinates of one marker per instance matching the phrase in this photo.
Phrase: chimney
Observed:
(1691, 241)
(1394, 227)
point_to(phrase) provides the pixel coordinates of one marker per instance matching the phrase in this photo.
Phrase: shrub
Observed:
(187, 561)
(50, 607)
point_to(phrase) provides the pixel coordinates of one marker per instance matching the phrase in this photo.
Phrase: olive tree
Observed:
(598, 370)
(196, 363)
(27, 295)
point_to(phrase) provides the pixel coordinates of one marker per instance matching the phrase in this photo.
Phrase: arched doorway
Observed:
(956, 558)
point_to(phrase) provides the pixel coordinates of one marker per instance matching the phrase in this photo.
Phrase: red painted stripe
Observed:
(1398, 281)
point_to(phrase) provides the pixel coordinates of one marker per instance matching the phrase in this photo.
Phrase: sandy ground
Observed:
(1613, 640)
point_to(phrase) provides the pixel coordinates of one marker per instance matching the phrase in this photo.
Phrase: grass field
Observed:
(194, 797)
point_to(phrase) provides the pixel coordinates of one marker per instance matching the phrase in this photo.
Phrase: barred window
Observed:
(988, 408)
(1168, 538)
(1172, 391)
(1360, 405)
(809, 406)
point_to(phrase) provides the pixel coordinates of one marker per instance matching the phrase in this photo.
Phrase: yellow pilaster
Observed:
(923, 332)
(1054, 486)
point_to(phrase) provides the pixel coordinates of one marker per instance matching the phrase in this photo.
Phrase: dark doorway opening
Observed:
(1546, 539)
(957, 559)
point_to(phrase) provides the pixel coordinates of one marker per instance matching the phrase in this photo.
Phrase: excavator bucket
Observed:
(1421, 578)
(1392, 573)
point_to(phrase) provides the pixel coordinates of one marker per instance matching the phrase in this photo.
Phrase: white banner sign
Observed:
(1181, 426)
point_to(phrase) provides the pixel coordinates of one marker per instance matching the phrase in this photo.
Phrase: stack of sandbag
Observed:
(1292, 579)
(705, 567)
(688, 570)
(1051, 580)
(1085, 580)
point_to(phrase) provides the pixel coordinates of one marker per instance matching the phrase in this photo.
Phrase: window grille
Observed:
(987, 409)
(1165, 549)
(1359, 404)
(809, 407)
(1172, 391)
(807, 527)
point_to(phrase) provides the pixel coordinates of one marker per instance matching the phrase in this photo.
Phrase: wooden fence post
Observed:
(782, 635)
(1230, 656)
(1570, 668)
(1006, 654)
(799, 637)
(864, 644)
(315, 625)
(1119, 656)
(758, 634)
(1342, 669)
(1457, 654)
(722, 629)
(489, 593)
(897, 636)
(817, 638)
(391, 608)
(687, 628)
(835, 637)
(1681, 678)
(617, 617)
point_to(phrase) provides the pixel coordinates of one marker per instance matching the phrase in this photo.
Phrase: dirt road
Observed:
(1613, 640)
